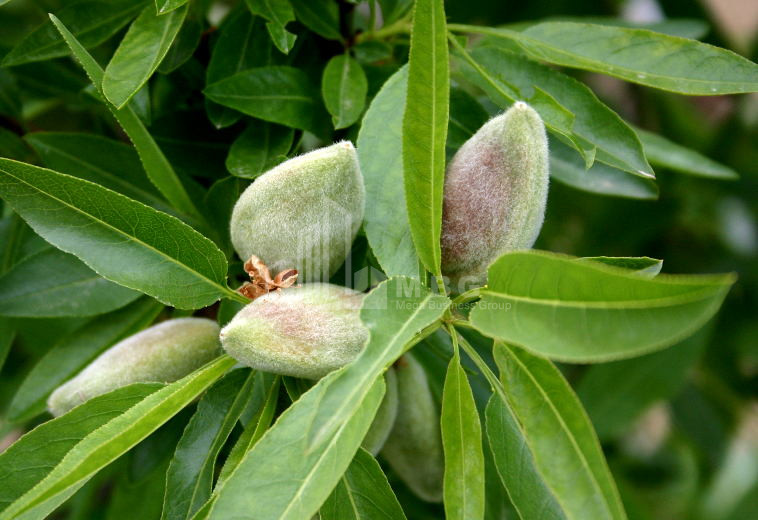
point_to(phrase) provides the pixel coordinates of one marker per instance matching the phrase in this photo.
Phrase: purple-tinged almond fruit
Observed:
(495, 194)
(304, 331)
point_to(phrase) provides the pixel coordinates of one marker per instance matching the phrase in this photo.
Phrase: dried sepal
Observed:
(260, 279)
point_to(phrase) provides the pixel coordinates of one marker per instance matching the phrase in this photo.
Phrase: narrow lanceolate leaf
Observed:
(75, 351)
(122, 240)
(108, 162)
(283, 95)
(111, 440)
(254, 429)
(190, 475)
(141, 51)
(25, 463)
(639, 56)
(55, 284)
(344, 88)
(662, 152)
(642, 265)
(558, 119)
(156, 165)
(363, 493)
(579, 311)
(165, 6)
(567, 167)
(91, 21)
(425, 129)
(291, 471)
(550, 462)
(594, 124)
(462, 442)
(380, 153)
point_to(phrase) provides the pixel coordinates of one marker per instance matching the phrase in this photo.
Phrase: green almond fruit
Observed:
(414, 447)
(495, 195)
(304, 331)
(162, 353)
(385, 416)
(303, 214)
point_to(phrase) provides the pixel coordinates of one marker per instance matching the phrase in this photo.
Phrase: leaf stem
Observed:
(478, 29)
(468, 296)
(402, 26)
(492, 379)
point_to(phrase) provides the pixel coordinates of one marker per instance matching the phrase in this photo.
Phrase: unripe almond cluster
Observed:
(300, 219)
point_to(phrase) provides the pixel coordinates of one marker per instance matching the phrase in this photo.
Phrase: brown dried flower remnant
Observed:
(260, 279)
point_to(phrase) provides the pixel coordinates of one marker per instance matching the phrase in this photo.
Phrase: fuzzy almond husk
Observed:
(304, 331)
(414, 446)
(162, 353)
(495, 194)
(303, 214)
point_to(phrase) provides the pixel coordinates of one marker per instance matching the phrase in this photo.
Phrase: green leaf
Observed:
(393, 10)
(615, 394)
(685, 27)
(640, 56)
(278, 13)
(157, 167)
(550, 462)
(258, 149)
(320, 16)
(462, 442)
(594, 124)
(380, 144)
(580, 311)
(75, 351)
(568, 168)
(27, 462)
(186, 41)
(344, 86)
(53, 284)
(254, 429)
(467, 115)
(112, 439)
(110, 163)
(190, 475)
(425, 129)
(294, 467)
(119, 238)
(283, 95)
(165, 6)
(91, 21)
(363, 493)
(141, 51)
(642, 265)
(241, 45)
(662, 152)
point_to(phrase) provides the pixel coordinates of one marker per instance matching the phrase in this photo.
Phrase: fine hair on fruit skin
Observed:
(495, 194)
(162, 353)
(305, 331)
(414, 446)
(303, 214)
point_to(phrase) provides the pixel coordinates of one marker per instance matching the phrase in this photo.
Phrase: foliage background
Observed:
(695, 440)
